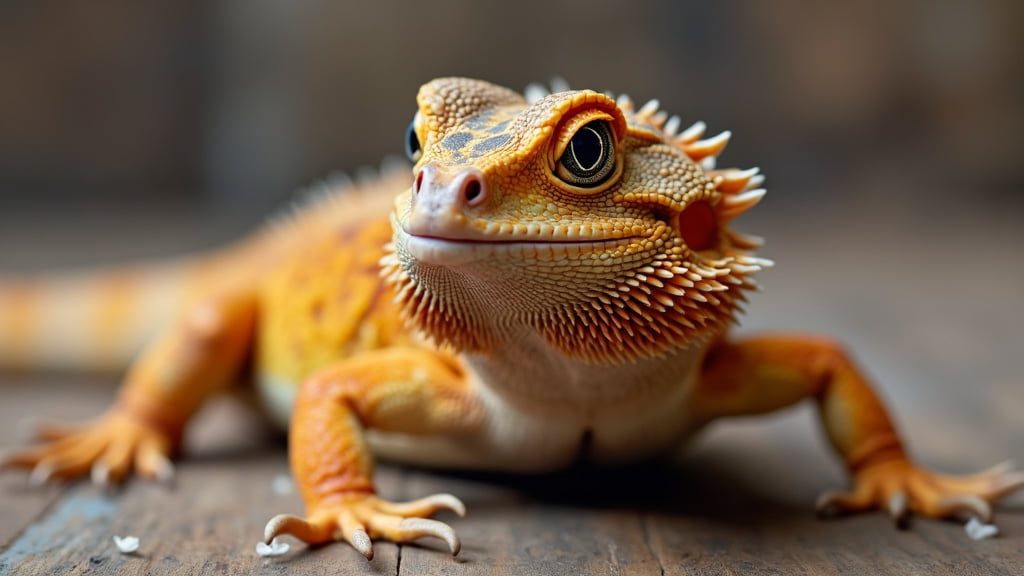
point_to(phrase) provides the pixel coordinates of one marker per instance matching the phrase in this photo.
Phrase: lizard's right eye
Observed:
(412, 143)
(589, 158)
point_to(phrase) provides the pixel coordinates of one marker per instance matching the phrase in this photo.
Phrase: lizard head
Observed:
(574, 217)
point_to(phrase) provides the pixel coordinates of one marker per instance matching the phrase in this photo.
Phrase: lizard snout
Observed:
(440, 198)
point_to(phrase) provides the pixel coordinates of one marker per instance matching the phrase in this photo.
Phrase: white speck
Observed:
(282, 485)
(275, 548)
(978, 530)
(127, 544)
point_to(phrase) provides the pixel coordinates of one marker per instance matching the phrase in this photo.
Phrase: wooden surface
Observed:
(933, 311)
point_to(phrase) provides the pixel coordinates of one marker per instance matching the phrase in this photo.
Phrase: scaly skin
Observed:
(567, 274)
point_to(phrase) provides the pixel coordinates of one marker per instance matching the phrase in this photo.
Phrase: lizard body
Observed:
(554, 281)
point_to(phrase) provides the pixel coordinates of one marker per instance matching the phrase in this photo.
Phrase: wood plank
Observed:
(739, 502)
(554, 524)
(57, 398)
(208, 521)
(753, 517)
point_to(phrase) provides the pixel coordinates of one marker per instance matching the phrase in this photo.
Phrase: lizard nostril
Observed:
(418, 183)
(472, 188)
(472, 191)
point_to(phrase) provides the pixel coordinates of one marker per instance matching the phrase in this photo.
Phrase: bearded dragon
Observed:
(553, 281)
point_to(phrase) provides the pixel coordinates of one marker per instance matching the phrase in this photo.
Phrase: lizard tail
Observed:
(98, 320)
(94, 320)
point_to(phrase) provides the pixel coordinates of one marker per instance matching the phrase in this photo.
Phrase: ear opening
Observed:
(697, 224)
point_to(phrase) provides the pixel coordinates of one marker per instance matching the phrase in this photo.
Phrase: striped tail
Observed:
(89, 320)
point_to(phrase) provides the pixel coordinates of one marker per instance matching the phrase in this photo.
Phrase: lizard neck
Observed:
(529, 372)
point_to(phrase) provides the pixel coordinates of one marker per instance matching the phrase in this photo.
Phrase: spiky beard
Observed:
(661, 305)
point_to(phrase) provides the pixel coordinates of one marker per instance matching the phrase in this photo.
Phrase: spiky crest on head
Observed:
(610, 262)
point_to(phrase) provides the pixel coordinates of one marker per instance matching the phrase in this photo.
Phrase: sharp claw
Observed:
(965, 505)
(427, 506)
(156, 467)
(827, 504)
(1010, 482)
(100, 475)
(164, 470)
(451, 503)
(298, 527)
(152, 463)
(1003, 468)
(281, 524)
(41, 474)
(836, 503)
(412, 528)
(360, 540)
(899, 508)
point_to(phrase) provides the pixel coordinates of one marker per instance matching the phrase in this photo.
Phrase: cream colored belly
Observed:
(514, 441)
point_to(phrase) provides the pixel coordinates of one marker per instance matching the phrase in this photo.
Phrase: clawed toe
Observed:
(834, 503)
(899, 508)
(425, 506)
(50, 431)
(313, 533)
(415, 528)
(359, 518)
(41, 474)
(964, 507)
(107, 450)
(902, 489)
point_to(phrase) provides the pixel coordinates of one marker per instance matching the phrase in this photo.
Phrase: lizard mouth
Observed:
(453, 252)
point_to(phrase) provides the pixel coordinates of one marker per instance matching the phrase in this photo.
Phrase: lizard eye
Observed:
(412, 143)
(590, 156)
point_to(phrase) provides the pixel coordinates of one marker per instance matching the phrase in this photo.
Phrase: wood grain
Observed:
(733, 505)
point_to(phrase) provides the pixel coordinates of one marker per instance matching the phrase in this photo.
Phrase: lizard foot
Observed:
(358, 518)
(107, 448)
(902, 488)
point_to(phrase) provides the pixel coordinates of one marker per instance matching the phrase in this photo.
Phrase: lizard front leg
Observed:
(199, 352)
(763, 374)
(403, 390)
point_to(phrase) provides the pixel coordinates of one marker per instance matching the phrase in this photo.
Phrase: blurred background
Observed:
(891, 132)
(131, 120)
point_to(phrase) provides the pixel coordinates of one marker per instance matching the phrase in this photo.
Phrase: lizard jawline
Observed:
(451, 253)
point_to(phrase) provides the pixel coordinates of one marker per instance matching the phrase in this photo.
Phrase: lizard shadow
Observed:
(704, 488)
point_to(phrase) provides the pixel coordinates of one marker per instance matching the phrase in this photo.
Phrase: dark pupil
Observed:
(587, 148)
(412, 142)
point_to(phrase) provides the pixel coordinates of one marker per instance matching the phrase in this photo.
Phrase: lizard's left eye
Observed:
(589, 158)
(412, 143)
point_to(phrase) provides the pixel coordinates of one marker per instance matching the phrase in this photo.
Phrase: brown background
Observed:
(218, 111)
